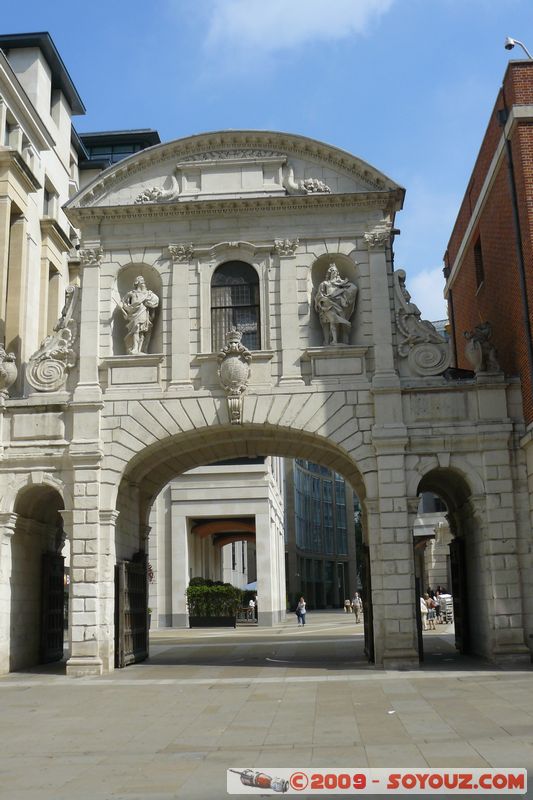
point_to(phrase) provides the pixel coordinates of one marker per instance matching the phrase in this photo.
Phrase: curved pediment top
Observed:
(231, 165)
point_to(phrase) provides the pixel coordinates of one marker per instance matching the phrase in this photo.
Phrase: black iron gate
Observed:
(131, 611)
(52, 607)
(368, 620)
(418, 614)
(460, 609)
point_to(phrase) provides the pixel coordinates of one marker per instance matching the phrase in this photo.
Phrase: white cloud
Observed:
(426, 289)
(267, 26)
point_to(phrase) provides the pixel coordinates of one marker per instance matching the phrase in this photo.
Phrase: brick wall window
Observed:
(478, 262)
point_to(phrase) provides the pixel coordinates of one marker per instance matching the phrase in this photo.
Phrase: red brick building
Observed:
(489, 259)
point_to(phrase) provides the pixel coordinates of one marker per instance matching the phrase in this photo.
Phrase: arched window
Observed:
(235, 304)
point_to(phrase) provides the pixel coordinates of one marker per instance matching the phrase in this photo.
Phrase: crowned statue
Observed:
(138, 307)
(335, 304)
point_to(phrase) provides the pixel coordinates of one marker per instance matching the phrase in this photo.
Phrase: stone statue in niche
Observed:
(138, 307)
(479, 349)
(335, 304)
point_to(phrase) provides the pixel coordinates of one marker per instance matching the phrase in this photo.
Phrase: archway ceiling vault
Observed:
(211, 527)
(223, 539)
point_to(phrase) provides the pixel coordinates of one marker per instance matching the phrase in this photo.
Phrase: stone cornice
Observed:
(258, 205)
(182, 150)
(51, 228)
(12, 160)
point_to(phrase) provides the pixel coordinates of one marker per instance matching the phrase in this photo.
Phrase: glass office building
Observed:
(320, 529)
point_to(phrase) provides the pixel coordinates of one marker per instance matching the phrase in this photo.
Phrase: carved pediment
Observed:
(231, 165)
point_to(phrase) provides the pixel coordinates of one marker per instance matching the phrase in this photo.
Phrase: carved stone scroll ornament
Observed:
(286, 247)
(303, 185)
(181, 252)
(155, 194)
(234, 373)
(379, 236)
(427, 352)
(479, 350)
(48, 368)
(8, 371)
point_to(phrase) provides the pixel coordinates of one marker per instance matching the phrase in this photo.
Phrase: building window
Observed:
(478, 263)
(235, 304)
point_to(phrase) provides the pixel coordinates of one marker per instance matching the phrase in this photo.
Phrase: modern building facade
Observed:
(320, 537)
(287, 243)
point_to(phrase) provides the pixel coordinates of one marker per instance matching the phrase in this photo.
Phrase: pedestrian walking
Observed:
(424, 613)
(301, 611)
(431, 614)
(357, 606)
(347, 607)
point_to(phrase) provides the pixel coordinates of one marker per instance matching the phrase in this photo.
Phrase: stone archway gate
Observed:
(381, 407)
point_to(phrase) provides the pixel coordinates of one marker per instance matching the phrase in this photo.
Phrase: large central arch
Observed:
(156, 465)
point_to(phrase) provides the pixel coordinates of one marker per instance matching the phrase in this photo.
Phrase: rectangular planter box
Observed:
(212, 622)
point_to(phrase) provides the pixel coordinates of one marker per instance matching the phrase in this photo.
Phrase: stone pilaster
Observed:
(17, 290)
(5, 222)
(88, 632)
(88, 388)
(268, 612)
(8, 522)
(393, 581)
(180, 571)
(288, 297)
(492, 562)
(106, 588)
(181, 256)
(377, 241)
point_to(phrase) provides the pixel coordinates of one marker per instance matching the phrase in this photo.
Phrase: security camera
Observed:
(510, 43)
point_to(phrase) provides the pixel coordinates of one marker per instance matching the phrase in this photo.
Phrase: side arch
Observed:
(36, 478)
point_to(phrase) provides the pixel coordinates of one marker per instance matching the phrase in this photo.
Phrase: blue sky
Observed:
(407, 85)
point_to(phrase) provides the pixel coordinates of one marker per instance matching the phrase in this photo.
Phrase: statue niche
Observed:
(335, 304)
(138, 308)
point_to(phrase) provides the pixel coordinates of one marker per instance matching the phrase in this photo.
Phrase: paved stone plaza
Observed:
(205, 701)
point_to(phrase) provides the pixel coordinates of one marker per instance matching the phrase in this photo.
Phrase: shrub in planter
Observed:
(213, 602)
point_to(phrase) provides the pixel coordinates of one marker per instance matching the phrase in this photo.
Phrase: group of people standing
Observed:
(354, 606)
(430, 608)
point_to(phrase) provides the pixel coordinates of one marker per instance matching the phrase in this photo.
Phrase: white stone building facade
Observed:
(225, 523)
(88, 445)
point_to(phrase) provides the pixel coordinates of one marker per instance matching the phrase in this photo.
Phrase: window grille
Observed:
(235, 304)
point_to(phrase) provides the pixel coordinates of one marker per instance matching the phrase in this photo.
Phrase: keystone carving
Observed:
(427, 352)
(286, 247)
(181, 252)
(304, 185)
(479, 350)
(379, 236)
(8, 371)
(91, 255)
(234, 373)
(48, 368)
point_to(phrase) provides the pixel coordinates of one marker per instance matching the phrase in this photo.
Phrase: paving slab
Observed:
(169, 728)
